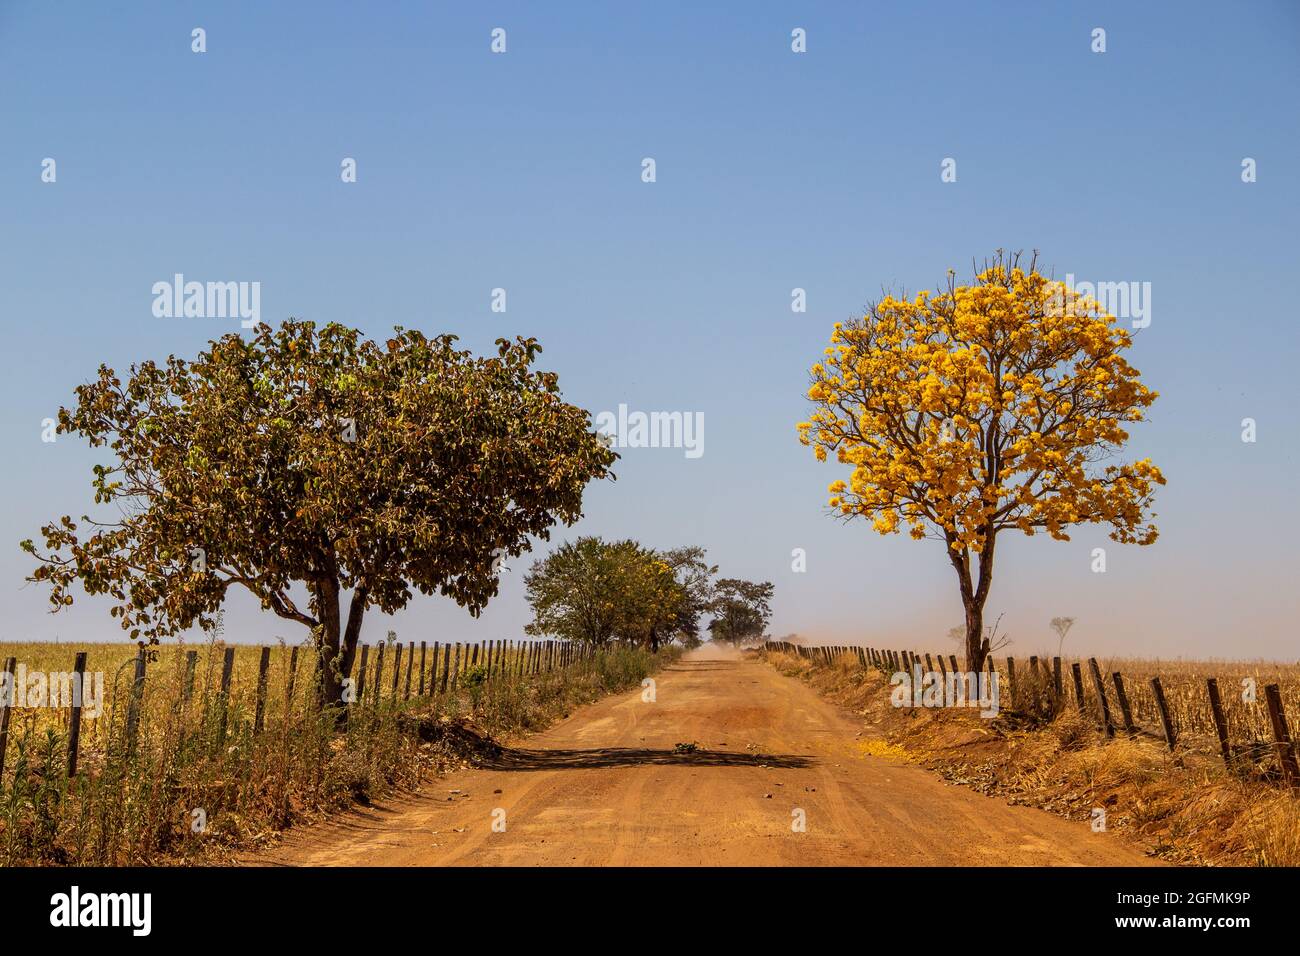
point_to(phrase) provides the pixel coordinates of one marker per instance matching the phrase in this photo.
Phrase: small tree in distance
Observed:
(1061, 625)
(597, 591)
(740, 610)
(992, 638)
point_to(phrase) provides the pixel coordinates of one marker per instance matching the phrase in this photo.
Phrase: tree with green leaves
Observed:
(597, 591)
(577, 592)
(741, 610)
(306, 460)
(694, 575)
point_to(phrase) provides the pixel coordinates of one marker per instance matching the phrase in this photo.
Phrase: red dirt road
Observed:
(604, 787)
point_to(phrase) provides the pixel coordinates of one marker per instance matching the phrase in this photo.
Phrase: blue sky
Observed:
(775, 170)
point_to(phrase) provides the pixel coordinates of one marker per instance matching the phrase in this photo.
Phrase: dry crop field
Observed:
(197, 750)
(1242, 711)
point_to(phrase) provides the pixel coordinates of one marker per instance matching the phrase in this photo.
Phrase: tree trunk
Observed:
(329, 684)
(654, 642)
(973, 596)
(976, 645)
(336, 644)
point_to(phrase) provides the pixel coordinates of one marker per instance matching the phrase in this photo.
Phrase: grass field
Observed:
(198, 776)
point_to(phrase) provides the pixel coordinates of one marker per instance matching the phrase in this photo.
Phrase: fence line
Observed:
(501, 660)
(1041, 693)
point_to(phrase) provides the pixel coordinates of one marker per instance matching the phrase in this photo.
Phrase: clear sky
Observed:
(775, 170)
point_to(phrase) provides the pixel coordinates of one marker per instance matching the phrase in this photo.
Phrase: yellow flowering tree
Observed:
(976, 409)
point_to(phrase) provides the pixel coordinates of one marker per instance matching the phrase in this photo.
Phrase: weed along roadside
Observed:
(196, 753)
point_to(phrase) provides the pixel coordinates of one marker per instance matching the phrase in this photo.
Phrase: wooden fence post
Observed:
(433, 670)
(379, 673)
(1101, 696)
(133, 707)
(1168, 724)
(1077, 673)
(263, 666)
(1282, 736)
(227, 667)
(446, 656)
(1033, 681)
(423, 651)
(293, 678)
(6, 708)
(288, 684)
(397, 669)
(359, 692)
(1011, 679)
(1056, 677)
(1220, 721)
(1124, 710)
(74, 726)
(191, 663)
(410, 660)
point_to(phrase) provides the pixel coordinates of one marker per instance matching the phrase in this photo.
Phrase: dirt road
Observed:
(605, 787)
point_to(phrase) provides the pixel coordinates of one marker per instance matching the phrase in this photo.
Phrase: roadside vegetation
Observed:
(200, 777)
(1181, 806)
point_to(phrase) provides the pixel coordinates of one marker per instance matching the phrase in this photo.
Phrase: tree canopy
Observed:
(741, 610)
(597, 591)
(320, 458)
(979, 409)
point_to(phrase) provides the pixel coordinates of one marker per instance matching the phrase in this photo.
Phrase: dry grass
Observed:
(199, 782)
(1241, 688)
(1183, 807)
